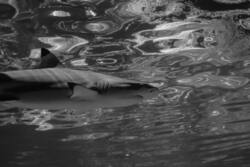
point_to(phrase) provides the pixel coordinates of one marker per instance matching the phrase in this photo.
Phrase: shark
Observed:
(54, 87)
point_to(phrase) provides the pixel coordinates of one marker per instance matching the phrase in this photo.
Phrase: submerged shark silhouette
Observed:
(53, 87)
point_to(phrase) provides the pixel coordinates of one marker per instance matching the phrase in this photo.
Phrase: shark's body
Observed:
(63, 88)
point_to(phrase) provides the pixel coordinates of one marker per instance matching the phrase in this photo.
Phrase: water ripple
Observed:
(198, 54)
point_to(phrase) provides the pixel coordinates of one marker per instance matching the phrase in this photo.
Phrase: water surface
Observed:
(197, 52)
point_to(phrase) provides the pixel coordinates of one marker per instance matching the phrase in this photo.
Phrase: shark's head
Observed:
(145, 91)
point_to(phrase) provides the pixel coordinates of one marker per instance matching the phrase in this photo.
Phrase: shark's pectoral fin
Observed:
(80, 92)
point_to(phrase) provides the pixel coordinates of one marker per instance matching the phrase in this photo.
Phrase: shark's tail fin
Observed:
(8, 97)
(4, 78)
(5, 82)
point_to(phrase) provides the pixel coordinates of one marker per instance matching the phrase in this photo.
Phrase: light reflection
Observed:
(204, 94)
(106, 61)
(80, 62)
(38, 118)
(208, 79)
(245, 23)
(60, 13)
(101, 27)
(147, 9)
(180, 37)
(92, 136)
(63, 44)
(97, 27)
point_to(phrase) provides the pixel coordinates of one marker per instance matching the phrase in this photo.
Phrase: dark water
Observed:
(198, 51)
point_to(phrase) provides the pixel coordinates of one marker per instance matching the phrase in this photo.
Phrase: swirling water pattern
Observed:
(197, 52)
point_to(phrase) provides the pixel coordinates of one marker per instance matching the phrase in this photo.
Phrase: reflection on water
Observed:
(198, 52)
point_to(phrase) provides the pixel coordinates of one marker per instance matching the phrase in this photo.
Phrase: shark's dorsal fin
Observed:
(48, 59)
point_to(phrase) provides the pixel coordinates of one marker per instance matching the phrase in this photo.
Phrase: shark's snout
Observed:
(148, 92)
